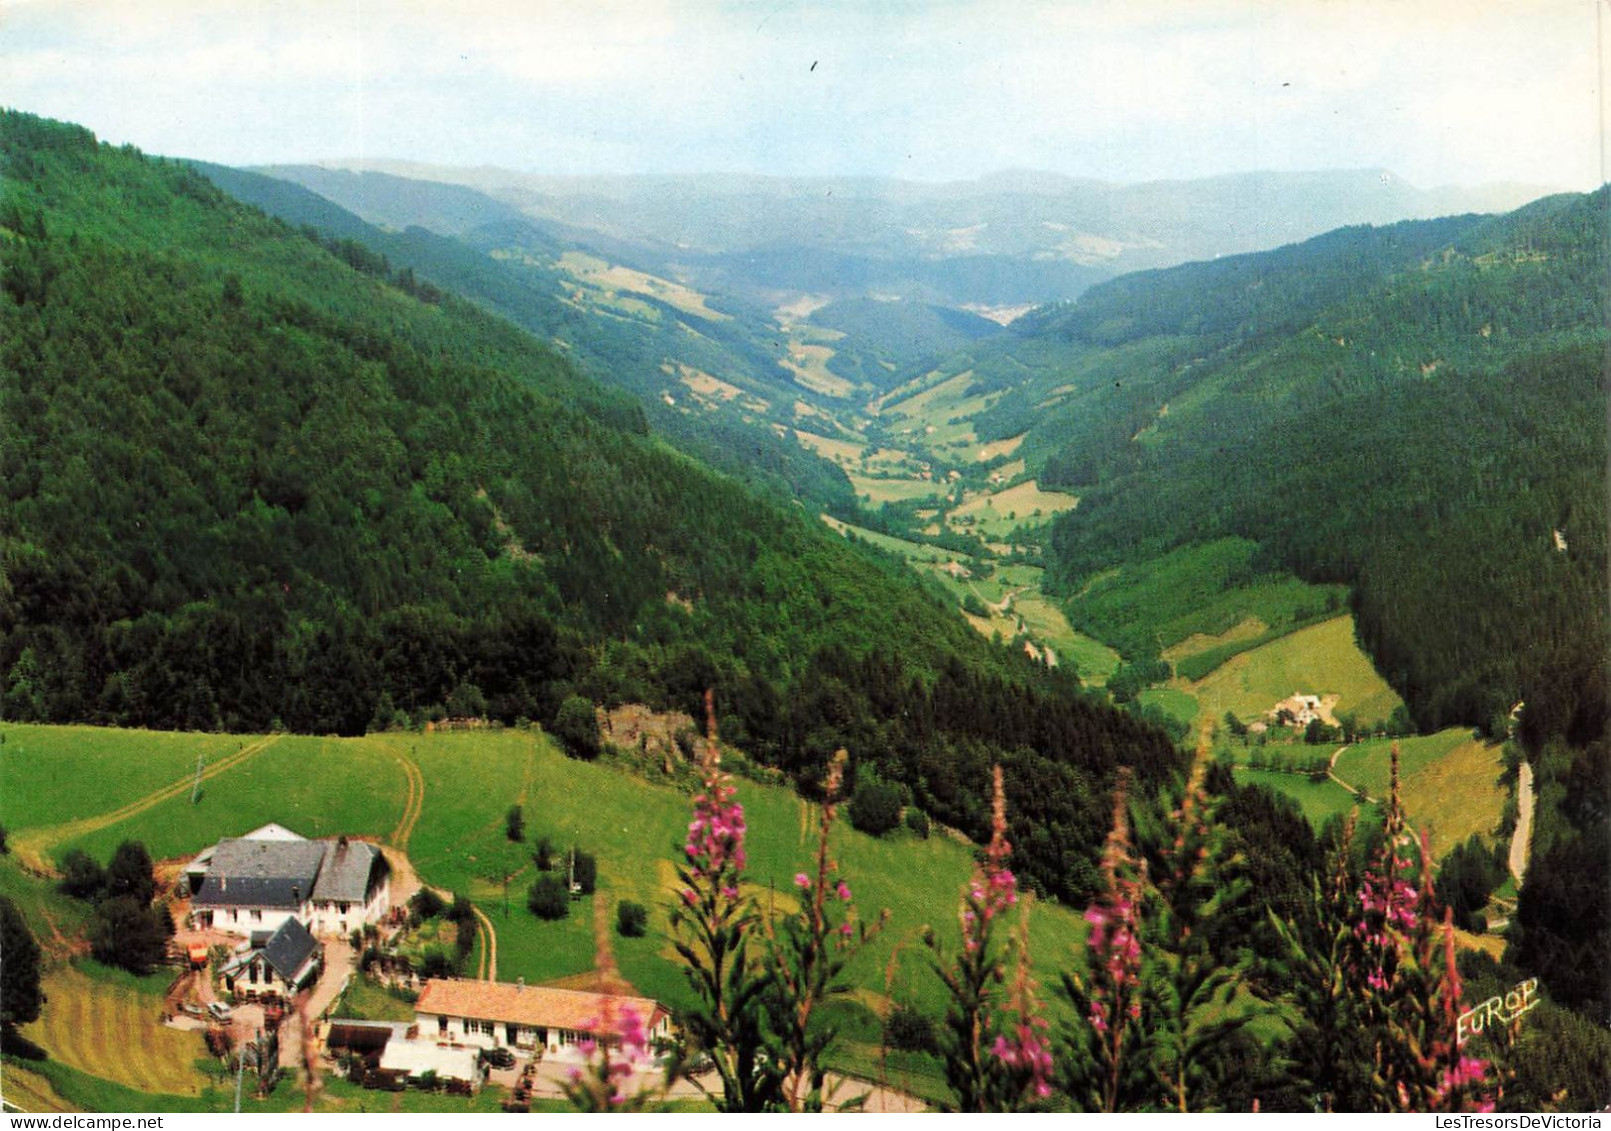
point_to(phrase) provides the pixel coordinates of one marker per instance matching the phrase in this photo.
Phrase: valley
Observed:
(433, 524)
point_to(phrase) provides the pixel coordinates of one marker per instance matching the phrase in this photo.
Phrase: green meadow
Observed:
(54, 774)
(456, 839)
(1322, 659)
(1320, 801)
(1448, 782)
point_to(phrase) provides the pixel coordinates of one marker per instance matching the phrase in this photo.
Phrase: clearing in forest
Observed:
(999, 513)
(808, 362)
(614, 277)
(1322, 659)
(1249, 628)
(842, 452)
(1448, 782)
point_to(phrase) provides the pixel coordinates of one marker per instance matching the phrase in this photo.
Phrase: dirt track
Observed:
(33, 847)
(412, 806)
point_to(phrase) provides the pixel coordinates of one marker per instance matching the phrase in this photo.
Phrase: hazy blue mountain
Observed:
(1014, 237)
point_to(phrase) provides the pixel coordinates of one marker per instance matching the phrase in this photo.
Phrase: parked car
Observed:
(192, 1009)
(220, 1011)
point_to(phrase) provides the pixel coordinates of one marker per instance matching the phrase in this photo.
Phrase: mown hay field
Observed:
(1448, 782)
(113, 1031)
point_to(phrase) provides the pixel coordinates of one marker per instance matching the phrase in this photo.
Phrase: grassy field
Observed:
(712, 390)
(1320, 801)
(1175, 703)
(1200, 600)
(842, 452)
(23, 1089)
(367, 1001)
(1448, 782)
(997, 514)
(808, 361)
(1094, 660)
(45, 768)
(1244, 631)
(107, 1027)
(611, 277)
(1322, 659)
(876, 490)
(316, 786)
(941, 412)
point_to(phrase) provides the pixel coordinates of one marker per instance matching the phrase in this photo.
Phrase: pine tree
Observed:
(20, 996)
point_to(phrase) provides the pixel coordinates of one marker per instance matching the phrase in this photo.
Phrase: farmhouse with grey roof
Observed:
(285, 962)
(259, 881)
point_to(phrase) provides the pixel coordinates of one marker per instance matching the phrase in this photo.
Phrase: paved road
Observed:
(1521, 841)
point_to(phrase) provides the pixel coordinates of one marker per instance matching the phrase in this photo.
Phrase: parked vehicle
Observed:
(498, 1057)
(219, 1011)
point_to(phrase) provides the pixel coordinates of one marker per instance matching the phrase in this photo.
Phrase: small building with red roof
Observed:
(515, 1015)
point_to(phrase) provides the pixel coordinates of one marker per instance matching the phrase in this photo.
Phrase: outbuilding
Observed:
(513, 1014)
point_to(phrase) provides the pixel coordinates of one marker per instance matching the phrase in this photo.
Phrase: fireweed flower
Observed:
(617, 1049)
(1107, 994)
(997, 1055)
(1406, 992)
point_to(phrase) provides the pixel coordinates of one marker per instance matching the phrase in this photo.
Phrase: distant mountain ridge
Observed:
(1045, 236)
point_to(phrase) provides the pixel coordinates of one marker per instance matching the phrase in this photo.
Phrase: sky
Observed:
(1440, 93)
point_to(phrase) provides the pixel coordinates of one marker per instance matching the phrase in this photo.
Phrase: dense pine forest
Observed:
(249, 486)
(1416, 412)
(508, 264)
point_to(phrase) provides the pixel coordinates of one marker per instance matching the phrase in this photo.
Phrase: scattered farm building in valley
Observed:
(277, 964)
(456, 1021)
(390, 1054)
(492, 1014)
(255, 883)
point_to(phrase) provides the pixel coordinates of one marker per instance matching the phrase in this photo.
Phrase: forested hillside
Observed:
(252, 479)
(1415, 411)
(510, 265)
(1418, 413)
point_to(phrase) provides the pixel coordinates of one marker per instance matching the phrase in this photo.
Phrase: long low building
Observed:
(492, 1014)
(253, 883)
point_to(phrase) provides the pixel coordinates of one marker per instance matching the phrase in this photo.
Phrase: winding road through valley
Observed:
(1521, 840)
